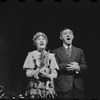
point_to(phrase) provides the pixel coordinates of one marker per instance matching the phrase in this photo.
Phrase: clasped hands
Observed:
(35, 73)
(43, 73)
(73, 66)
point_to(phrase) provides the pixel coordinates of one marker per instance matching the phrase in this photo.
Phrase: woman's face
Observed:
(41, 42)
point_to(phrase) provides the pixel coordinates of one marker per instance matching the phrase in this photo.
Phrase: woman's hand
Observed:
(29, 73)
(44, 74)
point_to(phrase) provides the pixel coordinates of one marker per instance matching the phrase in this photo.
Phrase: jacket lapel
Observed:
(74, 53)
(63, 53)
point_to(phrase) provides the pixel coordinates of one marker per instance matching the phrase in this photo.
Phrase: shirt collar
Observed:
(66, 46)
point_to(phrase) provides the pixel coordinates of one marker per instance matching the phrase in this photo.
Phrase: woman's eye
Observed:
(38, 39)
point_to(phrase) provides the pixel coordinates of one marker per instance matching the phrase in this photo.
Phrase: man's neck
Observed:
(67, 45)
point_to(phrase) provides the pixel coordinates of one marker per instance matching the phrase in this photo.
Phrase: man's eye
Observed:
(70, 33)
(65, 33)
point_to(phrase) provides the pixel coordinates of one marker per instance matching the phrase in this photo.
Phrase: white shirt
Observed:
(66, 46)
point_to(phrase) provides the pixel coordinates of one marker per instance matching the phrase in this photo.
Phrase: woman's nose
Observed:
(41, 41)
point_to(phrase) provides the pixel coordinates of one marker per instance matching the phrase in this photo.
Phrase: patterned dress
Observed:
(41, 70)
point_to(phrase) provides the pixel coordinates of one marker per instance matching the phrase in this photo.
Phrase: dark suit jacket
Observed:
(66, 79)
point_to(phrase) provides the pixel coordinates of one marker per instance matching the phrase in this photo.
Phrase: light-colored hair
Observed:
(61, 32)
(37, 35)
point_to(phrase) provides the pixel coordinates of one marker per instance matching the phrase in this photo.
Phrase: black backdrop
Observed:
(20, 20)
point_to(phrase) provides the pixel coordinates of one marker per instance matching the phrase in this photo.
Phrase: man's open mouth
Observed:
(68, 38)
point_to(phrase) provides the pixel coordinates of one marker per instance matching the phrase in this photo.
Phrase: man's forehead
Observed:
(67, 31)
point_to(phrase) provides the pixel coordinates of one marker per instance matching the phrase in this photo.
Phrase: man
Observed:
(72, 65)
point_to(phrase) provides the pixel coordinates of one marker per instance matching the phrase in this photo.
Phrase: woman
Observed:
(40, 67)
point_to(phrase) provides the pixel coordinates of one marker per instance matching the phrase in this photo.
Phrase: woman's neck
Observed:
(41, 49)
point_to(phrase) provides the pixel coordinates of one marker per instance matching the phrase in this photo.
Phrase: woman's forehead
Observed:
(41, 36)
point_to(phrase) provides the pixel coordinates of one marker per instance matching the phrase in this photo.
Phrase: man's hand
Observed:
(73, 66)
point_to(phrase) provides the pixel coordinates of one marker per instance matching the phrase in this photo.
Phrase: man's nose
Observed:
(68, 35)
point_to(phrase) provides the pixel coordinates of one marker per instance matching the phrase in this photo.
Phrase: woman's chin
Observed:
(41, 49)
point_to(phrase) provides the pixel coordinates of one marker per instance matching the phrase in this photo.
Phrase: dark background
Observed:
(20, 20)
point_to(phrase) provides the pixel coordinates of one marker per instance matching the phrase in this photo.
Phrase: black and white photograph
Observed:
(49, 49)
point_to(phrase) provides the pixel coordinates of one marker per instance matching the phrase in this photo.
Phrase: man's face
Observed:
(67, 37)
(41, 42)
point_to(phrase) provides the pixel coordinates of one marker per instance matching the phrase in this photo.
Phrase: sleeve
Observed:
(54, 67)
(53, 74)
(54, 64)
(82, 63)
(28, 66)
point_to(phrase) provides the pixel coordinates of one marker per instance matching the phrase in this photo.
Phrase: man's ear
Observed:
(60, 37)
(73, 36)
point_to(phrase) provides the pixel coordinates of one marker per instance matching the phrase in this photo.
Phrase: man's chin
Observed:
(68, 43)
